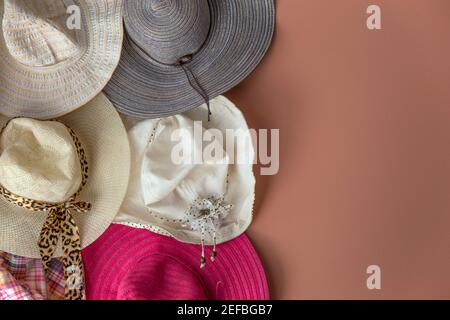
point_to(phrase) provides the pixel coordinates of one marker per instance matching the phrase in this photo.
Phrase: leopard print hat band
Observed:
(60, 224)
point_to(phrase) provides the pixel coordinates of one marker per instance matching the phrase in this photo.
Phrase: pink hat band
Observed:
(134, 264)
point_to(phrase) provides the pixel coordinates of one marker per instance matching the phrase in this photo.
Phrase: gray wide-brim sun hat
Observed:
(219, 42)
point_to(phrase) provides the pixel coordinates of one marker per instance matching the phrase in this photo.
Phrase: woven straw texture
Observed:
(132, 264)
(48, 70)
(103, 136)
(39, 160)
(239, 34)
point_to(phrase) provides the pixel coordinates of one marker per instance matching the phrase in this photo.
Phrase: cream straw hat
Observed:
(61, 183)
(48, 70)
(39, 160)
(202, 201)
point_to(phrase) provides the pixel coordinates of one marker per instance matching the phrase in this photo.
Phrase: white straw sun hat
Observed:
(48, 70)
(61, 182)
(201, 202)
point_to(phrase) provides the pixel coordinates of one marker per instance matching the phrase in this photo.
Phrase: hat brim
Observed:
(52, 91)
(241, 33)
(104, 138)
(236, 274)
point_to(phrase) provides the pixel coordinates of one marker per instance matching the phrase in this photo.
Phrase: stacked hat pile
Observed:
(98, 205)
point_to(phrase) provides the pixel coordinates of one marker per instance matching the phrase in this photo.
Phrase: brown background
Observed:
(364, 119)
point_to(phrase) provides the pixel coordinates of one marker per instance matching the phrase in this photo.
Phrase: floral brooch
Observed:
(205, 216)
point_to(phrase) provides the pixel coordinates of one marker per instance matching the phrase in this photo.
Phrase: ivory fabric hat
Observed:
(180, 54)
(47, 69)
(132, 264)
(199, 198)
(61, 179)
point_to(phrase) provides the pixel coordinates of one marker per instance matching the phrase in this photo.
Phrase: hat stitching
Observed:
(146, 227)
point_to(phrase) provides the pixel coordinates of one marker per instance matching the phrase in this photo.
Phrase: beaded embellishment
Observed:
(204, 216)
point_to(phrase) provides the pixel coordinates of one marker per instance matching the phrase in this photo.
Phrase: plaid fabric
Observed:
(25, 279)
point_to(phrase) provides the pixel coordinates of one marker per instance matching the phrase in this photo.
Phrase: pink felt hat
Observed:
(126, 263)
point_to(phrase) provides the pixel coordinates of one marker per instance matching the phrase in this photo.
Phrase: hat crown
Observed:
(39, 160)
(168, 30)
(36, 32)
(162, 174)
